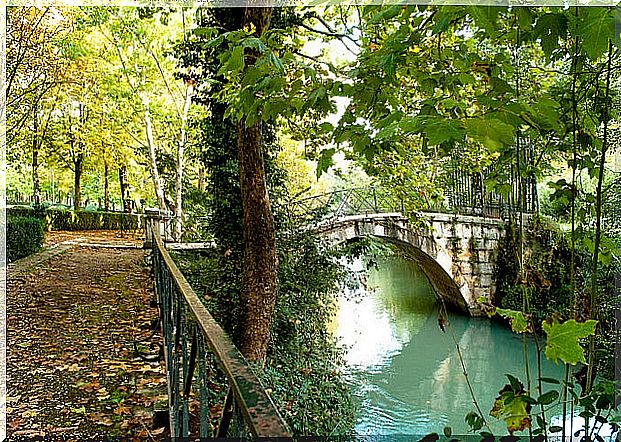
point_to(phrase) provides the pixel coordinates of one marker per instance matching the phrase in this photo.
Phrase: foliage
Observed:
(196, 213)
(58, 219)
(24, 236)
(547, 271)
(563, 339)
(303, 367)
(86, 220)
(512, 406)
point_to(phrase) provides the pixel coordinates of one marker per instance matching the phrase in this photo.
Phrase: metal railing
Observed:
(370, 200)
(193, 343)
(345, 202)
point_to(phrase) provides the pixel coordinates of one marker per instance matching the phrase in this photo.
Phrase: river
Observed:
(405, 372)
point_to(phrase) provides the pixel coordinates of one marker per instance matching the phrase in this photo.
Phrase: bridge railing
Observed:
(355, 201)
(193, 341)
(369, 200)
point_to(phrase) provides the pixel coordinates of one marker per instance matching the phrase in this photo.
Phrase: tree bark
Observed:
(180, 153)
(201, 178)
(36, 142)
(106, 187)
(157, 185)
(78, 165)
(123, 186)
(258, 293)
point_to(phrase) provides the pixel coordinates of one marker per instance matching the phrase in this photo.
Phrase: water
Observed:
(405, 372)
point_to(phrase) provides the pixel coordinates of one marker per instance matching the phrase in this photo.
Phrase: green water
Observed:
(405, 372)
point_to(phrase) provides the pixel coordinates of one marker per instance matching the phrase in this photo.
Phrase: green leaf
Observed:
(439, 130)
(386, 14)
(550, 380)
(448, 431)
(548, 398)
(474, 421)
(442, 22)
(549, 28)
(516, 385)
(255, 43)
(235, 62)
(545, 113)
(276, 62)
(518, 321)
(411, 125)
(562, 340)
(595, 28)
(485, 17)
(325, 128)
(325, 161)
(492, 133)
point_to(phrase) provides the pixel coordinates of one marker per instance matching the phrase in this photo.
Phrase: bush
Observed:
(24, 236)
(83, 220)
(60, 219)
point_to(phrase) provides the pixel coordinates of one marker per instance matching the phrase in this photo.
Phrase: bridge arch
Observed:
(456, 253)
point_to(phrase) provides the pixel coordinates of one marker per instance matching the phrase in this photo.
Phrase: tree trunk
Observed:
(157, 185)
(258, 293)
(36, 186)
(123, 186)
(106, 187)
(36, 142)
(201, 178)
(78, 164)
(180, 153)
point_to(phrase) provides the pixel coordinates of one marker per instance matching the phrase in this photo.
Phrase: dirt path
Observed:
(72, 372)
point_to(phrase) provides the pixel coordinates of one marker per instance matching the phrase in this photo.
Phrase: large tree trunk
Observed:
(180, 153)
(157, 185)
(78, 165)
(260, 259)
(106, 187)
(123, 186)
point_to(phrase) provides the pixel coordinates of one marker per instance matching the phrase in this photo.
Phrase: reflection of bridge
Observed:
(457, 252)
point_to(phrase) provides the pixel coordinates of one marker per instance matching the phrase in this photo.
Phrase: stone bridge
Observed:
(457, 252)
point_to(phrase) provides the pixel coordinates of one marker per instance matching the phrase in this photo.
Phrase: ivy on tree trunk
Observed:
(258, 293)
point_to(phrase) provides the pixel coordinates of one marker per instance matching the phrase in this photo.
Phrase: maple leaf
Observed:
(563, 340)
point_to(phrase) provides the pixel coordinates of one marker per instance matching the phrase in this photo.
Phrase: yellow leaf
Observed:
(122, 409)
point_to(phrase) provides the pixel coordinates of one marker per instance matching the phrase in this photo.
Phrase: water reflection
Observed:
(406, 374)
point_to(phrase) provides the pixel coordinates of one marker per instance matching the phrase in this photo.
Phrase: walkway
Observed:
(73, 313)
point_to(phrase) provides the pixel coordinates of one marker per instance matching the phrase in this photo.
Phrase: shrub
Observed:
(60, 219)
(85, 220)
(24, 236)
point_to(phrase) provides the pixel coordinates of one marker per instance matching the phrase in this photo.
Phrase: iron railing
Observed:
(346, 202)
(193, 343)
(469, 199)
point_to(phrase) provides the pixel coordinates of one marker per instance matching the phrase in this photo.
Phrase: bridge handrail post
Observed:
(375, 206)
(181, 311)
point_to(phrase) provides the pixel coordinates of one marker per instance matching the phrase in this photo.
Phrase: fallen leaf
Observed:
(122, 409)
